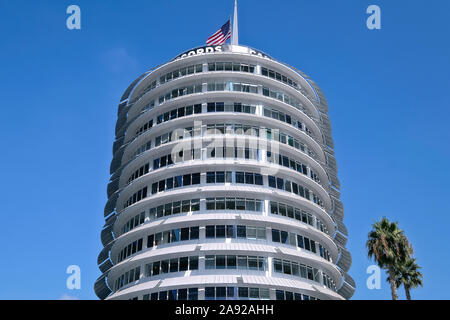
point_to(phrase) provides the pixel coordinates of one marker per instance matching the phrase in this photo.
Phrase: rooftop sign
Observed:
(222, 48)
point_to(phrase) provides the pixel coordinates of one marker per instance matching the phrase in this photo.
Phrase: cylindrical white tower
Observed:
(224, 185)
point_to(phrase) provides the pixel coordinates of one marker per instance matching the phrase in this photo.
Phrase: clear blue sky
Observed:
(388, 92)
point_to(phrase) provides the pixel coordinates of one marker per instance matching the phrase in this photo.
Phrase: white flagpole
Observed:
(235, 32)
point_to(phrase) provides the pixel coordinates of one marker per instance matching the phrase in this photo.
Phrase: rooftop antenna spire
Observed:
(235, 33)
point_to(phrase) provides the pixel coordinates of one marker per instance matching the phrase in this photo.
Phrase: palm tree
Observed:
(408, 274)
(388, 245)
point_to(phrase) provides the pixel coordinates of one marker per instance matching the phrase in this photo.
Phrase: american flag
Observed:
(221, 36)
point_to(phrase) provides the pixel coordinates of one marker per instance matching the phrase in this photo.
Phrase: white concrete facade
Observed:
(224, 185)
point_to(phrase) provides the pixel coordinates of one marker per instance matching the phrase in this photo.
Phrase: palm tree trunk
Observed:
(408, 294)
(392, 282)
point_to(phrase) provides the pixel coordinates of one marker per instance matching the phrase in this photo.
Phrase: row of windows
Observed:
(231, 231)
(150, 87)
(222, 232)
(216, 262)
(176, 294)
(128, 277)
(193, 205)
(287, 295)
(163, 161)
(291, 164)
(292, 239)
(179, 113)
(148, 106)
(181, 73)
(243, 293)
(236, 262)
(232, 293)
(300, 270)
(258, 206)
(176, 207)
(174, 235)
(278, 115)
(219, 66)
(183, 155)
(178, 73)
(147, 126)
(230, 152)
(230, 107)
(229, 203)
(277, 76)
(226, 293)
(221, 107)
(221, 128)
(168, 209)
(176, 182)
(225, 231)
(286, 162)
(134, 222)
(237, 129)
(289, 140)
(232, 86)
(222, 177)
(223, 153)
(136, 197)
(132, 248)
(281, 96)
(289, 186)
(327, 281)
(224, 262)
(178, 134)
(231, 66)
(211, 177)
(240, 204)
(139, 172)
(294, 213)
(234, 177)
(226, 153)
(296, 269)
(299, 241)
(240, 129)
(223, 66)
(171, 266)
(146, 146)
(260, 132)
(179, 92)
(197, 109)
